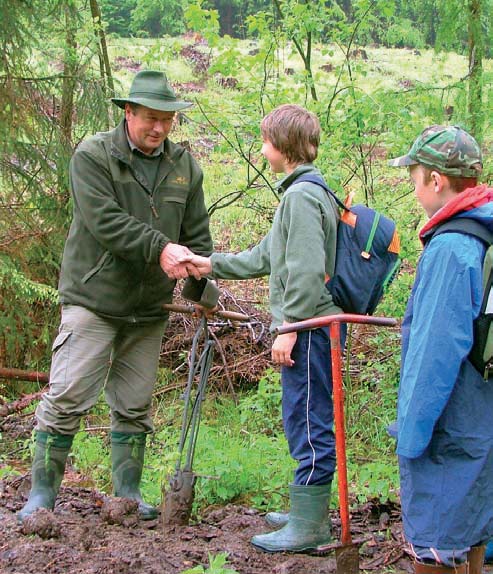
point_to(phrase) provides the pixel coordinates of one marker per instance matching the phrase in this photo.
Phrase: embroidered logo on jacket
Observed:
(180, 180)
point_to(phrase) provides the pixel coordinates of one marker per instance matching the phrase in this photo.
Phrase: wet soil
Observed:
(90, 533)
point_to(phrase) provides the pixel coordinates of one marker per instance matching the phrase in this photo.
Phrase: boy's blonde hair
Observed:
(294, 131)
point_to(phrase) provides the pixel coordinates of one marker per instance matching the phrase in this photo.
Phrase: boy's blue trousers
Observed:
(307, 408)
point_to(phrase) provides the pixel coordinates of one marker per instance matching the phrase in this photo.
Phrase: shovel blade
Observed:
(347, 559)
(178, 499)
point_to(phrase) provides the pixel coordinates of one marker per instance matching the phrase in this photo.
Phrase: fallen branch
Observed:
(20, 404)
(21, 375)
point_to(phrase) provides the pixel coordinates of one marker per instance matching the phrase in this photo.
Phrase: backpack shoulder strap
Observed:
(317, 180)
(468, 226)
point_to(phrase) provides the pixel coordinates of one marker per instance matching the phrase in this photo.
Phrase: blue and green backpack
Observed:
(367, 254)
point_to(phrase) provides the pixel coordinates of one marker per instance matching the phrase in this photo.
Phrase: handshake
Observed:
(178, 262)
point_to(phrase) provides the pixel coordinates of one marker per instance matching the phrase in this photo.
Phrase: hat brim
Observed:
(402, 161)
(161, 105)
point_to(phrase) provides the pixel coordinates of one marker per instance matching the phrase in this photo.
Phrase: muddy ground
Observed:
(89, 533)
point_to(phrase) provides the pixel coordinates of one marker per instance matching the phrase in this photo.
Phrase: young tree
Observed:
(50, 94)
(157, 17)
(104, 61)
(475, 46)
(304, 22)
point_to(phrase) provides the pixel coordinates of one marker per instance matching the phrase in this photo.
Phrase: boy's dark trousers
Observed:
(308, 420)
(307, 408)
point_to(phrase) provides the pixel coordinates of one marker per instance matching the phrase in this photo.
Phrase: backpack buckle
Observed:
(487, 373)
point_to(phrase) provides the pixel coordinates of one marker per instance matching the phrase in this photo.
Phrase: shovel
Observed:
(179, 494)
(347, 552)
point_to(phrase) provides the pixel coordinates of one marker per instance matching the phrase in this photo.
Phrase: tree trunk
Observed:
(475, 100)
(69, 72)
(104, 61)
(305, 56)
(347, 9)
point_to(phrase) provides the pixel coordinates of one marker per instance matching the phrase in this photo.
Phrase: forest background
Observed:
(375, 71)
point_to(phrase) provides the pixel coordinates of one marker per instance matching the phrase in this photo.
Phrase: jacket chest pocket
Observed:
(171, 214)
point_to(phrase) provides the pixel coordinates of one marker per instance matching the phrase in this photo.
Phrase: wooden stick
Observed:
(190, 310)
(21, 375)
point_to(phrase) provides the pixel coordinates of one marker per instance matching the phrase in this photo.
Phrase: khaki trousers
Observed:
(91, 353)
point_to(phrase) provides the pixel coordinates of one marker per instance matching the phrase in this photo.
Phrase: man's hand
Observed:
(282, 347)
(175, 261)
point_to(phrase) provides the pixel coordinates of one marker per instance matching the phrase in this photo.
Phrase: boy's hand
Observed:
(202, 264)
(282, 347)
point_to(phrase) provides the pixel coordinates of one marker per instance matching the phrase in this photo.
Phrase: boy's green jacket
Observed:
(121, 224)
(297, 253)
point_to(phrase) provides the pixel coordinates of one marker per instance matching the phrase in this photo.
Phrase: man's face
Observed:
(148, 128)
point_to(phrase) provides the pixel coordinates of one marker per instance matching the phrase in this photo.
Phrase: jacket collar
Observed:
(283, 184)
(120, 149)
(463, 202)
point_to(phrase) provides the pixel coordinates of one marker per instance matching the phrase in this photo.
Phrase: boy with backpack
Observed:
(297, 253)
(445, 405)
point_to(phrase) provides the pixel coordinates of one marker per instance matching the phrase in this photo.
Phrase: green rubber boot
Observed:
(127, 454)
(48, 468)
(277, 519)
(309, 524)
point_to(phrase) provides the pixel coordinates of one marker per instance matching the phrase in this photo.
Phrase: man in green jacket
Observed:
(138, 209)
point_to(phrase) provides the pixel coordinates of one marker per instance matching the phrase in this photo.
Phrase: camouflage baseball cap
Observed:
(448, 149)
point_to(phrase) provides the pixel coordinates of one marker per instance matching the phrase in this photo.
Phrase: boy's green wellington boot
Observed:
(277, 519)
(127, 455)
(421, 568)
(309, 523)
(48, 468)
(475, 557)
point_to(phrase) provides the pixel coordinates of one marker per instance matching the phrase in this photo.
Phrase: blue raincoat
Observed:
(445, 408)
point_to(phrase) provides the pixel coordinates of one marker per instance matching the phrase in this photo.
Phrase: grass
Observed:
(241, 453)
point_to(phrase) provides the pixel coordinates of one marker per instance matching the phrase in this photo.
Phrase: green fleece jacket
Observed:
(121, 224)
(297, 253)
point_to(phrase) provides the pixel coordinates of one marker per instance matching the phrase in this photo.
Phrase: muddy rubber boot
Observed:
(127, 455)
(309, 524)
(50, 456)
(277, 519)
(421, 568)
(475, 557)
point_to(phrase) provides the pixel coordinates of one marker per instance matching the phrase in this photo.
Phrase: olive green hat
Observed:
(152, 90)
(448, 149)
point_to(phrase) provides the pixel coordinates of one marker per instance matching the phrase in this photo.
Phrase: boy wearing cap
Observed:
(444, 430)
(138, 206)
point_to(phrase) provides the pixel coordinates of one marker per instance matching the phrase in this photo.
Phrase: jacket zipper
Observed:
(153, 207)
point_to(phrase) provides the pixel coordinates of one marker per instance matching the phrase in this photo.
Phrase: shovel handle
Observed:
(338, 397)
(190, 310)
(327, 320)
